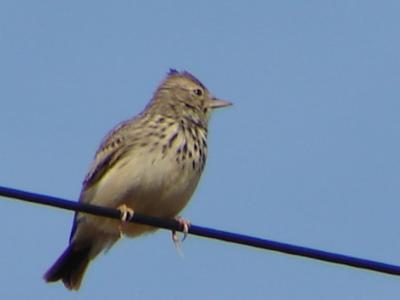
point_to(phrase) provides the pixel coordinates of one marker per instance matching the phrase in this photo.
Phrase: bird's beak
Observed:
(217, 103)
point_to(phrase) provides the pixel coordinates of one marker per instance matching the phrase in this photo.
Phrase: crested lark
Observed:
(150, 164)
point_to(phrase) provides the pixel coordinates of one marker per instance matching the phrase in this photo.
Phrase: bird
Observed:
(149, 164)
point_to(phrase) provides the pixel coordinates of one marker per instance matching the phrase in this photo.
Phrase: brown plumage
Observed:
(150, 163)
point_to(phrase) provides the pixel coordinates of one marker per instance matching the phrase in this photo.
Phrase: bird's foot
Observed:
(126, 215)
(186, 225)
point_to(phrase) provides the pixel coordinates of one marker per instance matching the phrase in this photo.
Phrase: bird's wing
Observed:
(113, 146)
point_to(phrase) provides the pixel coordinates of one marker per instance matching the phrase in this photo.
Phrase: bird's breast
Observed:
(156, 181)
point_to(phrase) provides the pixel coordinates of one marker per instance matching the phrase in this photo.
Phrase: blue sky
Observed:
(309, 153)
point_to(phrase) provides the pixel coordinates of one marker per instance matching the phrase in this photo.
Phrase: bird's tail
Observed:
(70, 266)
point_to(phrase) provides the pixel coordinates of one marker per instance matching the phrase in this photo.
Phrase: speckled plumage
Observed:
(151, 163)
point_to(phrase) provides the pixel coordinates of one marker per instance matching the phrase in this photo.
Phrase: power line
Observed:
(205, 232)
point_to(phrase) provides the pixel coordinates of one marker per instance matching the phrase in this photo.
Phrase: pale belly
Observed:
(156, 187)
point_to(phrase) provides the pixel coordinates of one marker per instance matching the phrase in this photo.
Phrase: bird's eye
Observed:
(198, 92)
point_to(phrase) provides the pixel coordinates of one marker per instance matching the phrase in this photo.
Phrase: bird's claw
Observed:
(126, 212)
(126, 215)
(186, 225)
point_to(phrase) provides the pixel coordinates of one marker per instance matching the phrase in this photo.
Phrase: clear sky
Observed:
(309, 154)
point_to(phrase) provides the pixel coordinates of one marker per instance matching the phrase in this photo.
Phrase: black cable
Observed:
(205, 232)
